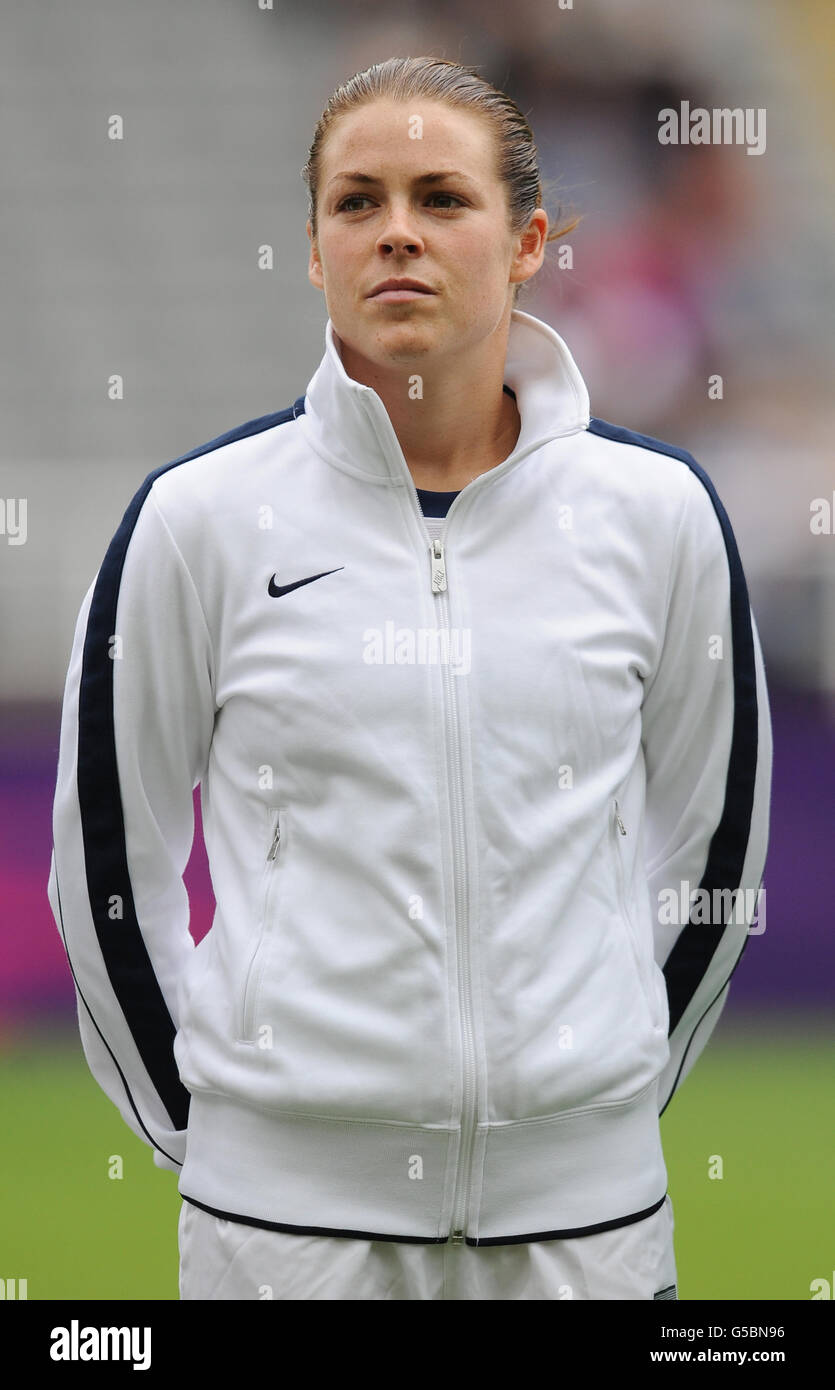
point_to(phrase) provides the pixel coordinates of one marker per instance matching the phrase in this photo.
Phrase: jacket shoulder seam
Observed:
(250, 427)
(619, 434)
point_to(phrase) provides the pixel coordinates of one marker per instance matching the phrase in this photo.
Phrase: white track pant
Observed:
(228, 1260)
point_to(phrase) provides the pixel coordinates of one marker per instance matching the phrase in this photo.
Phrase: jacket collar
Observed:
(347, 422)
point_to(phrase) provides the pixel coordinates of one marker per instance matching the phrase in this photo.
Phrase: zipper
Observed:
(461, 1190)
(438, 582)
(436, 551)
(255, 970)
(633, 940)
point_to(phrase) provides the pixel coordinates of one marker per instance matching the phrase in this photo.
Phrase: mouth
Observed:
(399, 296)
(394, 293)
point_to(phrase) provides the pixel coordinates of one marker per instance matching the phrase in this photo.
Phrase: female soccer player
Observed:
(471, 685)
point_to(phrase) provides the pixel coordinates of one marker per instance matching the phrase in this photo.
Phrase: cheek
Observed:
(483, 272)
(482, 260)
(338, 257)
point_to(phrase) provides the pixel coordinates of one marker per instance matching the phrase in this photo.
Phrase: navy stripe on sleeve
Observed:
(122, 946)
(690, 958)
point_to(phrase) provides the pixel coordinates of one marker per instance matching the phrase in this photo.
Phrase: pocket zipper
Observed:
(276, 837)
(635, 945)
(256, 962)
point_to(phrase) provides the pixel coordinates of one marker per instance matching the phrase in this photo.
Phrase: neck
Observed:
(461, 426)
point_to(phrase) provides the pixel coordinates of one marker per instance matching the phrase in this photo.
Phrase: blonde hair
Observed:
(440, 79)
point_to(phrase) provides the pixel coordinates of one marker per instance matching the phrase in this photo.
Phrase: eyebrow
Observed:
(356, 176)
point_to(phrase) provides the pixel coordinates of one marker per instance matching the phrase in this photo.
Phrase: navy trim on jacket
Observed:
(690, 958)
(124, 952)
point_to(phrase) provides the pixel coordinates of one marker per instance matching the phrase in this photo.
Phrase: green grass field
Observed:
(762, 1102)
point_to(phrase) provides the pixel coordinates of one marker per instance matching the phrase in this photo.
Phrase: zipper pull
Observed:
(621, 826)
(457, 1238)
(438, 567)
(276, 837)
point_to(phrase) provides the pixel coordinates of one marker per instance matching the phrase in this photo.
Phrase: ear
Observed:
(314, 269)
(530, 252)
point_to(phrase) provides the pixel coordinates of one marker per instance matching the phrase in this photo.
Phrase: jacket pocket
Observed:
(643, 967)
(266, 924)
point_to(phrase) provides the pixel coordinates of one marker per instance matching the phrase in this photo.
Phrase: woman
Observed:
(471, 685)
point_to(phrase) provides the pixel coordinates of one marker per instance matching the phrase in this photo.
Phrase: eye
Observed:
(449, 195)
(362, 197)
(352, 198)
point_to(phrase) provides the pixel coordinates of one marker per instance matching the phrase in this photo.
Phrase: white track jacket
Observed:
(486, 817)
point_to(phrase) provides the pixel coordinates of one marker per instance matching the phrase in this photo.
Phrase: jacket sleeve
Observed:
(137, 723)
(708, 751)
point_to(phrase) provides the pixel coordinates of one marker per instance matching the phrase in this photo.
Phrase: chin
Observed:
(404, 337)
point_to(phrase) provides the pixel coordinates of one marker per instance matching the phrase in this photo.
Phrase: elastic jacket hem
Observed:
(285, 1227)
(541, 1179)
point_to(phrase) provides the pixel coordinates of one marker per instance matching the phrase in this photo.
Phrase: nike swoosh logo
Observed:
(276, 590)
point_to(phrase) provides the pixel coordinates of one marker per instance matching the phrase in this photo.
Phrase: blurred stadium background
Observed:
(139, 257)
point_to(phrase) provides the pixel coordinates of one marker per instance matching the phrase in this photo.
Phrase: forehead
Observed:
(384, 138)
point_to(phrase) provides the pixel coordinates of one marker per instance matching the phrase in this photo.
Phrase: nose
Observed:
(399, 234)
